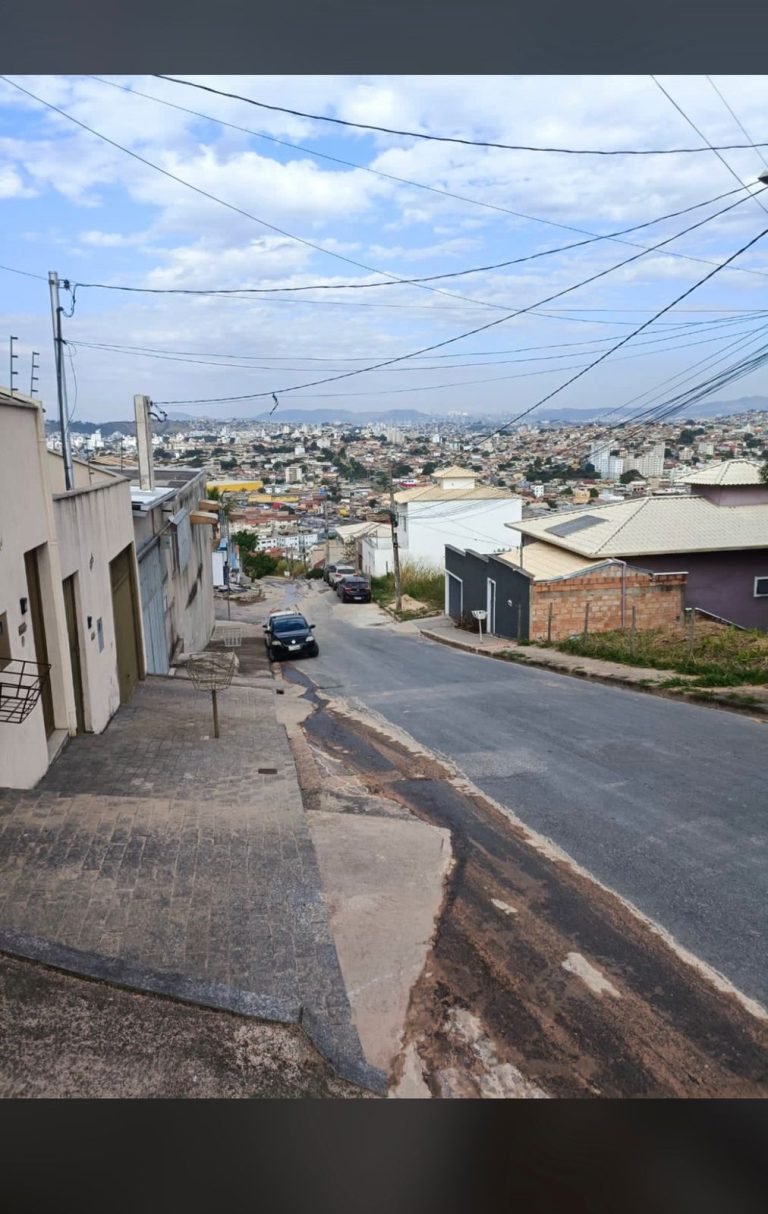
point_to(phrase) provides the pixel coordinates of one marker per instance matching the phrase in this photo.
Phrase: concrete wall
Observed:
(93, 526)
(721, 582)
(732, 495)
(26, 522)
(658, 601)
(424, 528)
(376, 557)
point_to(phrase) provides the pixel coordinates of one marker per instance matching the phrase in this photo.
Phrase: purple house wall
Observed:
(720, 582)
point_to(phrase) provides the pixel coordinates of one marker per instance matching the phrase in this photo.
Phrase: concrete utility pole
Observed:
(58, 347)
(325, 527)
(144, 442)
(395, 544)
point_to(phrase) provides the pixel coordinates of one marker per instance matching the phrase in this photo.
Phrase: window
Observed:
(761, 587)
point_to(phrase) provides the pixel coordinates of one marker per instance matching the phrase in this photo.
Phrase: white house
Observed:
(453, 509)
(71, 644)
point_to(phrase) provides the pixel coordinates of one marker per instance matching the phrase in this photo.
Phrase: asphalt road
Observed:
(663, 802)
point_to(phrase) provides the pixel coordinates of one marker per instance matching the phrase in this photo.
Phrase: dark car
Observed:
(354, 590)
(290, 636)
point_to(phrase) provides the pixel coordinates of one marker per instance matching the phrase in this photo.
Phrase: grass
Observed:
(421, 582)
(720, 657)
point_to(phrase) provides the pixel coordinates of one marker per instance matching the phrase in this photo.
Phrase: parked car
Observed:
(327, 571)
(290, 636)
(354, 590)
(339, 572)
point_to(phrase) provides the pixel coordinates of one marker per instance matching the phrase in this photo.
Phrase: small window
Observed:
(761, 587)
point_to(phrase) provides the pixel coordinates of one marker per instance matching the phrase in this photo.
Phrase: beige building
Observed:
(71, 644)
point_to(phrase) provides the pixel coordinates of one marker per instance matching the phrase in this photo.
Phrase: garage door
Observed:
(153, 610)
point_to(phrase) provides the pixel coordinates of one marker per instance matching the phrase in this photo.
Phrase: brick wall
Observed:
(658, 600)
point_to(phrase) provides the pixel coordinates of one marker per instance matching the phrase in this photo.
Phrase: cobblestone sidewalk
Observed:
(159, 857)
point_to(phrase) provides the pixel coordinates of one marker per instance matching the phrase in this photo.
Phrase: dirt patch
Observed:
(501, 1007)
(66, 1037)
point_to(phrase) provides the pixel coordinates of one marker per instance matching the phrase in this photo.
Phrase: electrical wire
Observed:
(26, 273)
(367, 286)
(701, 135)
(481, 143)
(736, 118)
(639, 329)
(501, 320)
(229, 205)
(418, 185)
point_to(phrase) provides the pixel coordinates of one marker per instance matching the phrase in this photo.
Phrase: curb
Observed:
(336, 1042)
(694, 696)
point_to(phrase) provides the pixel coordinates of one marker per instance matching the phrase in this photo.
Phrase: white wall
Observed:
(376, 556)
(26, 522)
(424, 528)
(93, 526)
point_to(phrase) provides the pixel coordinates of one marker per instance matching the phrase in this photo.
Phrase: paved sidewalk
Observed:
(160, 858)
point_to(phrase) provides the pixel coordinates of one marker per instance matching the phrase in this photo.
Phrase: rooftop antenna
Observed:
(13, 358)
(33, 378)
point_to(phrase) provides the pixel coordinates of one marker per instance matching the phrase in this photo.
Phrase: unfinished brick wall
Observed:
(658, 600)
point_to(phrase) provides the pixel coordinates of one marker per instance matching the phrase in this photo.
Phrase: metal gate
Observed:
(153, 610)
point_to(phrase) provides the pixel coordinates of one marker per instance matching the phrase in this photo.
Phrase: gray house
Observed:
(723, 549)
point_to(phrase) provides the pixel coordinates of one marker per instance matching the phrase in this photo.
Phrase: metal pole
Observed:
(633, 633)
(13, 358)
(549, 624)
(327, 536)
(215, 704)
(58, 343)
(689, 613)
(519, 615)
(395, 544)
(33, 377)
(586, 621)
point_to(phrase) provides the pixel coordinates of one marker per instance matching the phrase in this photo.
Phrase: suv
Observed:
(338, 572)
(354, 590)
(289, 636)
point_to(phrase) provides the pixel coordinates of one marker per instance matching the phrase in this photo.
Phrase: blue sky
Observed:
(71, 202)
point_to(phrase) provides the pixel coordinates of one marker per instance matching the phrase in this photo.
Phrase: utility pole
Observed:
(325, 527)
(33, 378)
(58, 346)
(13, 358)
(395, 544)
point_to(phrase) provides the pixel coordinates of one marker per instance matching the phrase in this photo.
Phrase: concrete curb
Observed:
(335, 1041)
(695, 696)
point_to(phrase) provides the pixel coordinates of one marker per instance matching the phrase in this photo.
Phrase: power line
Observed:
(26, 273)
(701, 134)
(481, 143)
(635, 332)
(229, 205)
(367, 286)
(418, 185)
(736, 118)
(493, 323)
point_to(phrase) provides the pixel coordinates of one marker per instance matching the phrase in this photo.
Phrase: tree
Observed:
(259, 564)
(402, 470)
(764, 473)
(245, 540)
(626, 478)
(593, 493)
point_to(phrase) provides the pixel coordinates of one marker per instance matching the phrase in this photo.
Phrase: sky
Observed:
(71, 202)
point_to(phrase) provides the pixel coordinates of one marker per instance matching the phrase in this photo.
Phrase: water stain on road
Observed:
(646, 1024)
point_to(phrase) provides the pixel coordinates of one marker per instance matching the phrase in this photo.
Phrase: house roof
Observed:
(352, 530)
(544, 561)
(652, 525)
(454, 473)
(433, 493)
(727, 472)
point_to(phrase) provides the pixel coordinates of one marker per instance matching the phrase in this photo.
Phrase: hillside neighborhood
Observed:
(364, 752)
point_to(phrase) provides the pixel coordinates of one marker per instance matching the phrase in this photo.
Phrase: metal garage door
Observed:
(153, 610)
